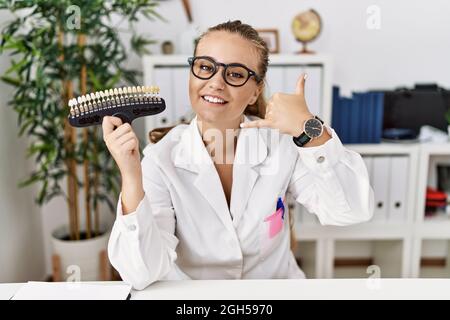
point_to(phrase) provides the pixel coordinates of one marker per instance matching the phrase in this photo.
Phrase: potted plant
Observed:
(61, 49)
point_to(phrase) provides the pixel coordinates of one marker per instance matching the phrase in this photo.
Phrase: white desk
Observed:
(285, 289)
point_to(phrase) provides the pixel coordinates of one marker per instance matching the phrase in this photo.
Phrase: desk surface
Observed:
(284, 289)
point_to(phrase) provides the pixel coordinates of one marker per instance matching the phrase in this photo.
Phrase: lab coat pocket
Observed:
(272, 231)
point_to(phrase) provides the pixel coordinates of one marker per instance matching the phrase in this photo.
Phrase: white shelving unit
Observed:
(435, 230)
(395, 246)
(406, 243)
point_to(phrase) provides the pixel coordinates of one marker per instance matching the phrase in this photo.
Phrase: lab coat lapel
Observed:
(251, 151)
(191, 154)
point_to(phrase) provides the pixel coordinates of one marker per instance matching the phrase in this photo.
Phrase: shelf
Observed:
(384, 148)
(435, 148)
(433, 229)
(435, 259)
(283, 59)
(431, 157)
(401, 148)
(306, 256)
(361, 231)
(308, 227)
(353, 258)
(275, 59)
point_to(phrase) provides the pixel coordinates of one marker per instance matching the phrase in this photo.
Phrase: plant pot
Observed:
(83, 260)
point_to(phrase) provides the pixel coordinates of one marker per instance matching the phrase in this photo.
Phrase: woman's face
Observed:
(226, 48)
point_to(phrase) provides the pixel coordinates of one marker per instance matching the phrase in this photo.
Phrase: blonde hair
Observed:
(249, 33)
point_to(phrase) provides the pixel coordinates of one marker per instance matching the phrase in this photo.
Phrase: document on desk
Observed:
(72, 291)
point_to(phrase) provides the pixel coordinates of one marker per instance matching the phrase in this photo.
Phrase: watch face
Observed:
(313, 128)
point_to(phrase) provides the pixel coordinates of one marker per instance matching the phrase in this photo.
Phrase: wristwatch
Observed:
(312, 128)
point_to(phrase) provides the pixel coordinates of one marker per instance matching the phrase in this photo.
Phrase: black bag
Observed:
(406, 110)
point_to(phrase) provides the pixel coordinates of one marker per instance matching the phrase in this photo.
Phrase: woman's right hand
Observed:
(123, 145)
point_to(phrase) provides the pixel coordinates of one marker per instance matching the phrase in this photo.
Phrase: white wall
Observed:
(412, 45)
(21, 246)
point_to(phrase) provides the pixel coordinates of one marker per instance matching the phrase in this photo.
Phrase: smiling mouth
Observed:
(214, 100)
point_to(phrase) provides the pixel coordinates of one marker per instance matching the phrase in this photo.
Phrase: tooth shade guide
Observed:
(130, 102)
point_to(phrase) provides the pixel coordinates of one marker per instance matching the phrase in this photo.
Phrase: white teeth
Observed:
(213, 99)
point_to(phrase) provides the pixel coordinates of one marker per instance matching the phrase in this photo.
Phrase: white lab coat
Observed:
(183, 229)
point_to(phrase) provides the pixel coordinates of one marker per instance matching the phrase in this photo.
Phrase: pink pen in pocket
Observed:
(276, 220)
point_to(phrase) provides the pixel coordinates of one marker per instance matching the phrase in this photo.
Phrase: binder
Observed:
(345, 119)
(275, 81)
(291, 75)
(381, 186)
(370, 116)
(355, 124)
(399, 188)
(371, 107)
(313, 89)
(362, 123)
(182, 102)
(163, 77)
(364, 112)
(335, 109)
(379, 105)
(352, 128)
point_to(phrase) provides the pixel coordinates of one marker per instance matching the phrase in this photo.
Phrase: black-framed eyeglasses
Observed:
(234, 74)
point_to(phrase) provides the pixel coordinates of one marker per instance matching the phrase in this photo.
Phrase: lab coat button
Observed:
(320, 159)
(132, 227)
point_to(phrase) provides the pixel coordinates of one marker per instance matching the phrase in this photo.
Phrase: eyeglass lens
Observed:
(205, 69)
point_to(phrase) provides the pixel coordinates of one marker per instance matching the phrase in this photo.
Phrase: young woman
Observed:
(208, 200)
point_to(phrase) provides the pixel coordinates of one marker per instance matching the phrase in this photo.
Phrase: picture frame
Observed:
(270, 36)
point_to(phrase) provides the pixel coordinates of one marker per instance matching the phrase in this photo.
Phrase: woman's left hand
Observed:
(285, 112)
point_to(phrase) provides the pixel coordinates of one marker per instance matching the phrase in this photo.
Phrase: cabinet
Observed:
(399, 240)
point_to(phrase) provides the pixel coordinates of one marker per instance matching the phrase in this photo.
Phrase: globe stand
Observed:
(305, 49)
